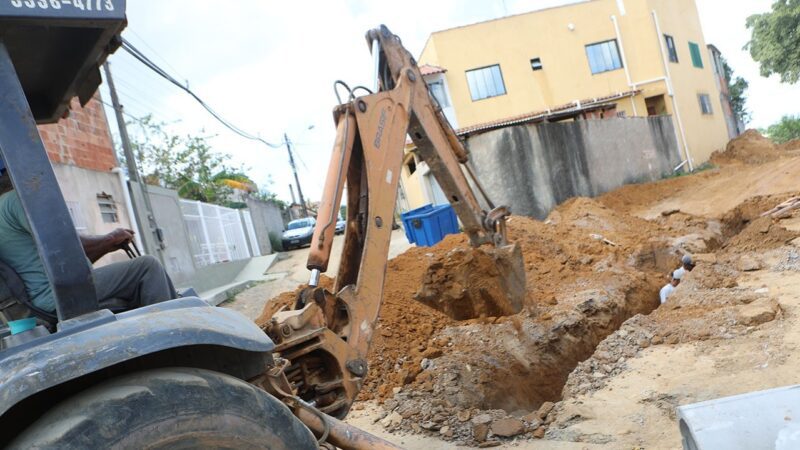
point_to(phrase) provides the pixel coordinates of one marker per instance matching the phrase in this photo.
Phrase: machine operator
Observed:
(139, 282)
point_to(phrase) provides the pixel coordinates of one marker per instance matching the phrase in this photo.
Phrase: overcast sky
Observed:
(269, 67)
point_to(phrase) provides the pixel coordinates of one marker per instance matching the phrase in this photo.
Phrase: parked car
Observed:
(298, 233)
(340, 224)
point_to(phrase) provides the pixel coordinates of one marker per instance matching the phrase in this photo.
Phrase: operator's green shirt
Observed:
(18, 250)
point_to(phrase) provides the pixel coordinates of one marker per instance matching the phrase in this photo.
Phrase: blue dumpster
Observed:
(429, 224)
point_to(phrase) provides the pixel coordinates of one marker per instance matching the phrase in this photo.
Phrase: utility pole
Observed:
(141, 202)
(296, 179)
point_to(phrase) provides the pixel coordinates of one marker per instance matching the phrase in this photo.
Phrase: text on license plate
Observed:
(296, 241)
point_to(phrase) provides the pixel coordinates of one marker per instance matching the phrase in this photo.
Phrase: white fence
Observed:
(217, 234)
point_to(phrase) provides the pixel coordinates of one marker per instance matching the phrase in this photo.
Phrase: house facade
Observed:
(82, 154)
(639, 57)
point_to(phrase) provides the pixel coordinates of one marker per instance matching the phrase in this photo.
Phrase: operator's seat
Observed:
(15, 303)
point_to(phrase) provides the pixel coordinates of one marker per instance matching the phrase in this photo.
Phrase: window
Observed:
(536, 64)
(108, 209)
(485, 82)
(705, 103)
(603, 56)
(697, 59)
(437, 90)
(77, 215)
(673, 52)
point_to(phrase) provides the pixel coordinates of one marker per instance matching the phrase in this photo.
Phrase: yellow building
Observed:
(644, 57)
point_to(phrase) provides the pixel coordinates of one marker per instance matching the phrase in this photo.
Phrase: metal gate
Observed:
(216, 233)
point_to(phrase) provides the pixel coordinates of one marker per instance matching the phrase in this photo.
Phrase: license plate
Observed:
(296, 241)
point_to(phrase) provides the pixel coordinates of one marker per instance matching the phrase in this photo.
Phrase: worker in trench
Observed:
(669, 288)
(139, 282)
(686, 265)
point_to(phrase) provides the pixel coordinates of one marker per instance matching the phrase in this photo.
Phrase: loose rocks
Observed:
(508, 427)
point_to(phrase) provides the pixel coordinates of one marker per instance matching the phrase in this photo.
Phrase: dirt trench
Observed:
(519, 364)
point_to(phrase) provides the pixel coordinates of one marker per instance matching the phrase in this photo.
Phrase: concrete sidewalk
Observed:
(220, 282)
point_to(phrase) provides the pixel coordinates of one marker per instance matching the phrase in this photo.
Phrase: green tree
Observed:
(775, 40)
(198, 179)
(186, 164)
(737, 87)
(787, 129)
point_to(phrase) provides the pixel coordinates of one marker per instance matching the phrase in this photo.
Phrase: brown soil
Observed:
(633, 196)
(749, 148)
(759, 235)
(593, 270)
(471, 283)
(588, 268)
(790, 146)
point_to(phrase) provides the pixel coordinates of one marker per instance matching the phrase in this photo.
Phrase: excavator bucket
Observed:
(470, 283)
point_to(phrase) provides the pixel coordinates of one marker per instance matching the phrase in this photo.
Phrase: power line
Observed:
(134, 72)
(130, 116)
(133, 51)
(144, 105)
(138, 36)
(143, 97)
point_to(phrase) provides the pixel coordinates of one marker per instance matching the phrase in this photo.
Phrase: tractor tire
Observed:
(175, 408)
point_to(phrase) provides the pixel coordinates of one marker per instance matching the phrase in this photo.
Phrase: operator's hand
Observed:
(97, 246)
(120, 237)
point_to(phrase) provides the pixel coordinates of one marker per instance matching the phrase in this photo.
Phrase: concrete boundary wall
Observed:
(533, 168)
(267, 219)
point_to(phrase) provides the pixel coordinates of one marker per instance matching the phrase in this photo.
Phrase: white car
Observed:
(298, 233)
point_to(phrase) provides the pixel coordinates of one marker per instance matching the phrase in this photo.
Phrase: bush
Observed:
(275, 241)
(786, 130)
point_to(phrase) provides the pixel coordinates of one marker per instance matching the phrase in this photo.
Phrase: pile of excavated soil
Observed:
(735, 220)
(470, 283)
(632, 196)
(750, 148)
(761, 234)
(790, 146)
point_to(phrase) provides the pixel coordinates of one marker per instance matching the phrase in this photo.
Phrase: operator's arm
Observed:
(96, 247)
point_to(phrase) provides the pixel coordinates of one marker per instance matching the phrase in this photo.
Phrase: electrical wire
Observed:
(136, 53)
(130, 116)
(143, 105)
(143, 96)
(155, 52)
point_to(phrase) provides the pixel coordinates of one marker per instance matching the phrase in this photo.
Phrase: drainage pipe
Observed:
(624, 61)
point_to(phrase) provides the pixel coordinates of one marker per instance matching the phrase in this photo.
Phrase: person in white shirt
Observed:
(686, 266)
(667, 290)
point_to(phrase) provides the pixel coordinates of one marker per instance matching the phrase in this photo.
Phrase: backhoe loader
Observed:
(183, 374)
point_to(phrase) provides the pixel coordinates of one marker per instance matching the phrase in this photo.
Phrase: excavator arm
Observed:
(323, 342)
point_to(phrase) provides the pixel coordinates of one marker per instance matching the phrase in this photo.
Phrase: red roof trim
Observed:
(577, 106)
(428, 69)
